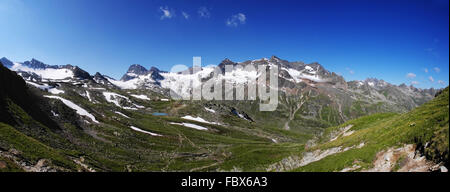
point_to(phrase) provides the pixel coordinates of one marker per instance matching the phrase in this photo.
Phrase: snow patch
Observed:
(112, 97)
(299, 75)
(240, 76)
(46, 87)
(199, 119)
(146, 132)
(115, 98)
(55, 91)
(138, 80)
(181, 83)
(78, 109)
(123, 115)
(123, 84)
(43, 87)
(190, 125)
(48, 73)
(143, 97)
(88, 95)
(54, 114)
(210, 110)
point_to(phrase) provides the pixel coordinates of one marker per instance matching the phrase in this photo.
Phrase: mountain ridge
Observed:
(141, 70)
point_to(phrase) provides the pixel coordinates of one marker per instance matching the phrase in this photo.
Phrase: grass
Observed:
(31, 149)
(258, 157)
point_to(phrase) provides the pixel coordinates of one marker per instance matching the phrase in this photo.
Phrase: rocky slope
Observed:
(311, 98)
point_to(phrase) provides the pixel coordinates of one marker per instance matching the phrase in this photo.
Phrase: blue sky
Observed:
(397, 41)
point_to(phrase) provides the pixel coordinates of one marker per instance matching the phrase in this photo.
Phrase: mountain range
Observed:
(61, 118)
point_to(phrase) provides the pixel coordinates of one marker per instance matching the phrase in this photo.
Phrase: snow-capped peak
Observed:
(44, 73)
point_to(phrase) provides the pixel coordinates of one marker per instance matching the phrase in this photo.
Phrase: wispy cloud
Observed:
(204, 12)
(441, 82)
(185, 15)
(414, 82)
(350, 71)
(437, 70)
(167, 13)
(411, 75)
(426, 70)
(431, 78)
(235, 20)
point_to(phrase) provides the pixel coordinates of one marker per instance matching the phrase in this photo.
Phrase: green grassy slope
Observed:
(425, 124)
(29, 149)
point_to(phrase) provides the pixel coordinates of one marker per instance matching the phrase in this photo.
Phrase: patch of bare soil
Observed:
(402, 159)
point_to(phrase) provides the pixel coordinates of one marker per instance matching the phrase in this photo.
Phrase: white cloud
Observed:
(185, 15)
(235, 20)
(441, 82)
(431, 78)
(414, 82)
(204, 12)
(437, 69)
(426, 70)
(167, 14)
(411, 75)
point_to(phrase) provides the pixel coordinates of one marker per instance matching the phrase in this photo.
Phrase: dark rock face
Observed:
(133, 71)
(6, 62)
(98, 76)
(80, 73)
(224, 63)
(30, 76)
(154, 69)
(102, 79)
(35, 64)
(137, 69)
